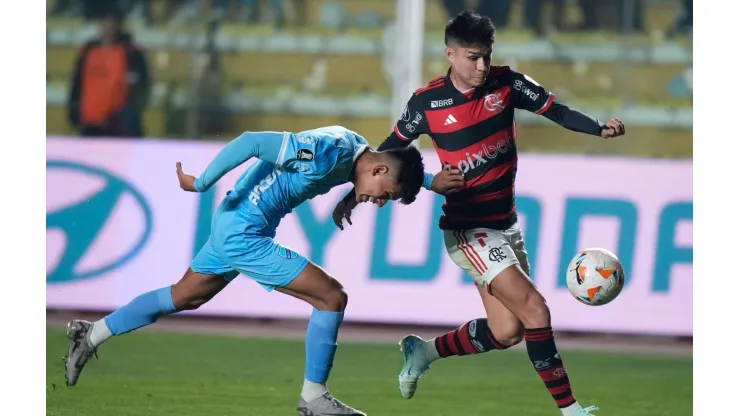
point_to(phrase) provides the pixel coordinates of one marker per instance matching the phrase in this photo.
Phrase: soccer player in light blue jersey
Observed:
(292, 168)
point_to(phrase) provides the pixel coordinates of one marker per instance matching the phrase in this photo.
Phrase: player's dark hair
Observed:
(411, 174)
(469, 29)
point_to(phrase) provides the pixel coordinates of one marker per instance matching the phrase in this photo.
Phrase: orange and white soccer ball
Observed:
(595, 276)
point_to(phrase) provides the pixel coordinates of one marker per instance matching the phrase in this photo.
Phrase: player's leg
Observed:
(276, 267)
(192, 290)
(518, 294)
(499, 330)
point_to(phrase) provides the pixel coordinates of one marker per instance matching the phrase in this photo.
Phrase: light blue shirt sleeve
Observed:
(316, 153)
(263, 145)
(428, 177)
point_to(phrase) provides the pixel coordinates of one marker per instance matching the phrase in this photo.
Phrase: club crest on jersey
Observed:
(494, 103)
(304, 154)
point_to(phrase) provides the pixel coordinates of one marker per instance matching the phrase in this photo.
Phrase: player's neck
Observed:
(459, 84)
(363, 162)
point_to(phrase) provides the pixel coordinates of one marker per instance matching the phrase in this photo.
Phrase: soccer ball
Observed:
(595, 276)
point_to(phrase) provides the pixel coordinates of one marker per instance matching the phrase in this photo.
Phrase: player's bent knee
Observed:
(509, 335)
(334, 300)
(535, 313)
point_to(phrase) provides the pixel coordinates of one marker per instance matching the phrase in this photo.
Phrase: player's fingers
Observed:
(338, 221)
(454, 176)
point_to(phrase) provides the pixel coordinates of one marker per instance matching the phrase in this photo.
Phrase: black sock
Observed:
(473, 337)
(546, 360)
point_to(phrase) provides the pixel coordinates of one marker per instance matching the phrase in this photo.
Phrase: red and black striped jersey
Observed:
(476, 132)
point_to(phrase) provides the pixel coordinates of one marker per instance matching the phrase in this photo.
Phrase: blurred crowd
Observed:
(108, 89)
(618, 15)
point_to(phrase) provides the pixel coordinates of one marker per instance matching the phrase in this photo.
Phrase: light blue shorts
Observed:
(242, 243)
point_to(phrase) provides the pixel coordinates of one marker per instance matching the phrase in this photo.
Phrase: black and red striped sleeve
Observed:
(412, 123)
(529, 95)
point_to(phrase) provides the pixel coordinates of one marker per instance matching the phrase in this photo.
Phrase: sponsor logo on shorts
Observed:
(286, 253)
(92, 210)
(496, 254)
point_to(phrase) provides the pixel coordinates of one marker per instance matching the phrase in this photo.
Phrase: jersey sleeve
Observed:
(262, 145)
(529, 95)
(315, 153)
(413, 122)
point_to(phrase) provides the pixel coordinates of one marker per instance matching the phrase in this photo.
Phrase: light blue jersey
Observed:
(292, 168)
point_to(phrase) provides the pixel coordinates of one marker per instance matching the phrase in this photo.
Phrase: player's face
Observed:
(470, 64)
(379, 184)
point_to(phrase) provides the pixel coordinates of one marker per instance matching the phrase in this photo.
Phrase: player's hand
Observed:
(187, 182)
(343, 211)
(449, 180)
(613, 128)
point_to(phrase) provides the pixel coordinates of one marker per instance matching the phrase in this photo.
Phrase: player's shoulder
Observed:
(506, 75)
(332, 141)
(435, 83)
(424, 98)
(503, 74)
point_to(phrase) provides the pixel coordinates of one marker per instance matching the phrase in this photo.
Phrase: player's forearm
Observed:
(393, 142)
(573, 119)
(238, 151)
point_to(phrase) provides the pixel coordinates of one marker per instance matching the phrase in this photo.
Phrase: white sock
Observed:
(432, 354)
(99, 333)
(312, 391)
(570, 410)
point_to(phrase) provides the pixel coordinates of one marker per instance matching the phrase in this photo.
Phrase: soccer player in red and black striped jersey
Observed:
(469, 114)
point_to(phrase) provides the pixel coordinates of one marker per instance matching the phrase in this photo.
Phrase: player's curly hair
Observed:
(411, 174)
(468, 29)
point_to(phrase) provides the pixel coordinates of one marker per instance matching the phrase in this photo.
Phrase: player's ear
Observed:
(449, 53)
(380, 170)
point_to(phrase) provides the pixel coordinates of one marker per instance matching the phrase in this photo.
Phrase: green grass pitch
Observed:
(163, 374)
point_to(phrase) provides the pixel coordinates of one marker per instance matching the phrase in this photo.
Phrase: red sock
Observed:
(549, 365)
(473, 337)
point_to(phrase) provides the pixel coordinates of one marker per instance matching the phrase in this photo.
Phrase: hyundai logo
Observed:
(82, 202)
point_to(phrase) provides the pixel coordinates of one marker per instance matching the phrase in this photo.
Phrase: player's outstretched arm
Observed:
(583, 123)
(263, 145)
(528, 95)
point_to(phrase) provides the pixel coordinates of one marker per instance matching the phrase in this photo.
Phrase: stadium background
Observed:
(118, 225)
